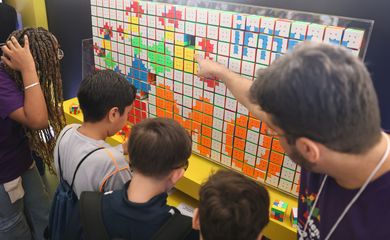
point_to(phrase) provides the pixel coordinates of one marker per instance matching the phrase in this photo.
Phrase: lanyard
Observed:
(380, 163)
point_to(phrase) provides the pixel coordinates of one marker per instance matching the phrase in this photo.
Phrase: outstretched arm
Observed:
(34, 112)
(238, 85)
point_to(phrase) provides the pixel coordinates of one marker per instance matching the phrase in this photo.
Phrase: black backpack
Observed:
(178, 227)
(64, 201)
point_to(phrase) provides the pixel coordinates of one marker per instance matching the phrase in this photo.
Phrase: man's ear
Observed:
(195, 220)
(113, 114)
(309, 149)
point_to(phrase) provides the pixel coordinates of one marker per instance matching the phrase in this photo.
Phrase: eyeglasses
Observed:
(272, 133)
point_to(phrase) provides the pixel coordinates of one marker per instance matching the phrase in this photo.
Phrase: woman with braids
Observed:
(30, 103)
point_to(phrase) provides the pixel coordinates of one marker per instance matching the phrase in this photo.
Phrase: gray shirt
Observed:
(104, 170)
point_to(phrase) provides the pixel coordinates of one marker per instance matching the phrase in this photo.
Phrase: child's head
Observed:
(159, 148)
(106, 96)
(231, 206)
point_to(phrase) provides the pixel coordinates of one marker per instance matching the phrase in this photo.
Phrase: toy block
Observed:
(212, 32)
(263, 57)
(217, 124)
(253, 23)
(249, 54)
(235, 65)
(237, 37)
(190, 14)
(225, 34)
(299, 30)
(279, 44)
(169, 37)
(201, 30)
(226, 160)
(285, 185)
(180, 26)
(201, 15)
(213, 17)
(249, 159)
(181, 39)
(315, 32)
(251, 39)
(188, 66)
(353, 38)
(151, 9)
(267, 25)
(187, 78)
(239, 21)
(179, 51)
(248, 68)
(189, 53)
(74, 109)
(333, 35)
(265, 42)
(189, 28)
(226, 19)
(294, 217)
(282, 28)
(216, 156)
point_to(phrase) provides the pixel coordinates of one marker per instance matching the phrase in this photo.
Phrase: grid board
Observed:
(153, 44)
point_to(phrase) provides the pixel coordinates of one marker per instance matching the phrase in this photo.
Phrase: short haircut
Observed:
(157, 146)
(103, 90)
(321, 92)
(232, 206)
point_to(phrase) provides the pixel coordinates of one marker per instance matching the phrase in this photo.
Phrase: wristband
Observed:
(31, 85)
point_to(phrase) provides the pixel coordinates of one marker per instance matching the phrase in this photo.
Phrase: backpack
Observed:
(178, 227)
(64, 201)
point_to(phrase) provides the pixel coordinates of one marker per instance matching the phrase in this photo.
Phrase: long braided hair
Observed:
(44, 49)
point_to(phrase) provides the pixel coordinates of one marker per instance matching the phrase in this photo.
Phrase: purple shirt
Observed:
(15, 154)
(368, 218)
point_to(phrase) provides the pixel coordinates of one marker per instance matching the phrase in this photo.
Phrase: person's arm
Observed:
(238, 85)
(34, 112)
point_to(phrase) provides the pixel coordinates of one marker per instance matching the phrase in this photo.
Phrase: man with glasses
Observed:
(319, 100)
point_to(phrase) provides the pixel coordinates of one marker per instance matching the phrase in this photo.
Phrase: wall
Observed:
(32, 11)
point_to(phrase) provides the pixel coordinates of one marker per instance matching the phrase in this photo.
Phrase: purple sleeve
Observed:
(11, 98)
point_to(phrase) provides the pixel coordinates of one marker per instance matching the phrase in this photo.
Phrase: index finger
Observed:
(26, 42)
(15, 42)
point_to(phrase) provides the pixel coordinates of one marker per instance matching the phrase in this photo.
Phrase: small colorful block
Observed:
(278, 210)
(294, 217)
(74, 109)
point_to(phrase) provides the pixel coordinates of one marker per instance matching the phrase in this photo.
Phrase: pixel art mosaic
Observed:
(153, 44)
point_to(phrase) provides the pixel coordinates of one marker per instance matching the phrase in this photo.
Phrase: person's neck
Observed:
(94, 130)
(141, 188)
(351, 171)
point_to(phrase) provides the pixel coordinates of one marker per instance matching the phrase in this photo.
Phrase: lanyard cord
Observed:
(383, 159)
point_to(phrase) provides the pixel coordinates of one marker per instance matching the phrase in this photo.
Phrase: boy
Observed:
(158, 151)
(231, 206)
(105, 99)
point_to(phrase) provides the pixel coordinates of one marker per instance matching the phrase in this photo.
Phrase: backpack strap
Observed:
(58, 153)
(91, 216)
(79, 164)
(178, 227)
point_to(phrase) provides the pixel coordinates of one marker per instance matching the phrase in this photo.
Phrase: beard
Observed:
(299, 159)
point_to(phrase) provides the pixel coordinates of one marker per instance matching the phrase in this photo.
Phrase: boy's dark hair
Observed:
(232, 206)
(157, 146)
(103, 90)
(321, 92)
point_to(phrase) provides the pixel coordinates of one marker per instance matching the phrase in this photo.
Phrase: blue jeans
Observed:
(27, 217)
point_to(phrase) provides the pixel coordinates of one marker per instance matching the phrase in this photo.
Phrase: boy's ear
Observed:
(176, 174)
(195, 220)
(113, 114)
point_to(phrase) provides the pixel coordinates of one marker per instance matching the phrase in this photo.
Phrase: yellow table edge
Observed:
(198, 171)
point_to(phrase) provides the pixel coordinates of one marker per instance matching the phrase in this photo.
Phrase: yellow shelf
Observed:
(198, 171)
